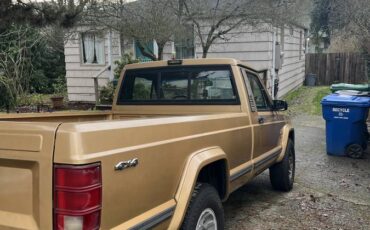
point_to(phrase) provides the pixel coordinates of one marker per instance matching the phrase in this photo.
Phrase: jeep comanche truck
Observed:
(182, 135)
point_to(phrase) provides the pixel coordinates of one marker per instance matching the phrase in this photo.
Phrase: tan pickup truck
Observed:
(181, 136)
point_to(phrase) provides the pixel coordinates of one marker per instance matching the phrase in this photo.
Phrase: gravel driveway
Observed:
(329, 192)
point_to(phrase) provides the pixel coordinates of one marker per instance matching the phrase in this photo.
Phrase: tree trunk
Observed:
(160, 51)
(122, 43)
(144, 52)
(205, 51)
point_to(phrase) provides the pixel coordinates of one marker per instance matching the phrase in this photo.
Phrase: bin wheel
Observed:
(354, 151)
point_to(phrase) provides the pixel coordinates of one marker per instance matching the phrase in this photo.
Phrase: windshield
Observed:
(179, 85)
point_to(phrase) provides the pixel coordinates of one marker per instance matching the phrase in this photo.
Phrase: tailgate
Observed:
(26, 162)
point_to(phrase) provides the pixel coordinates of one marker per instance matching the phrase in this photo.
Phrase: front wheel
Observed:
(282, 173)
(205, 210)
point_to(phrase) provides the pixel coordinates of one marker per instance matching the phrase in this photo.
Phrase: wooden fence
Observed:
(338, 67)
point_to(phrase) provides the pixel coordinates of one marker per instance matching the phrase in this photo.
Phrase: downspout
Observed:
(273, 73)
(307, 38)
(110, 58)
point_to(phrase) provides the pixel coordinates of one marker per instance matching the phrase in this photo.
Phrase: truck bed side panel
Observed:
(162, 146)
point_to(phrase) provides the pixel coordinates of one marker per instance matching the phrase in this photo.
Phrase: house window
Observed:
(92, 49)
(149, 47)
(184, 43)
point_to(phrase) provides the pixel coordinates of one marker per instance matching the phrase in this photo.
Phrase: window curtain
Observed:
(99, 50)
(88, 40)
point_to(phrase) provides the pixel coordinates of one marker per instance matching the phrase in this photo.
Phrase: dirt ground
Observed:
(329, 192)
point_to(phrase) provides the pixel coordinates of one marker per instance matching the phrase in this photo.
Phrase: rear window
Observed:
(179, 85)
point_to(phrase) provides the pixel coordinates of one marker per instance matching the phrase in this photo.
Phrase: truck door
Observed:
(266, 125)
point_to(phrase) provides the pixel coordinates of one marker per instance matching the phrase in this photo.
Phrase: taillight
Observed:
(77, 196)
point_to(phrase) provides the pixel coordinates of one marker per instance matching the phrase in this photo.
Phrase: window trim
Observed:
(182, 47)
(248, 88)
(82, 63)
(235, 101)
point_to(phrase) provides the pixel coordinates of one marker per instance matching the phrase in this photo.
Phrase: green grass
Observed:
(306, 100)
(290, 97)
(317, 99)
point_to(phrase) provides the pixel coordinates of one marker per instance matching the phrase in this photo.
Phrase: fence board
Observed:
(338, 67)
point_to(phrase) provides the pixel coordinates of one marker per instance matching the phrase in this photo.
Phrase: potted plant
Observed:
(60, 90)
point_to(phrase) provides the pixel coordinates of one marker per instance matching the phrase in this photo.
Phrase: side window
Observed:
(259, 94)
(92, 49)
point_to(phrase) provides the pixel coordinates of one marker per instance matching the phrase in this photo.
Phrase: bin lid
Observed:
(344, 86)
(353, 93)
(346, 100)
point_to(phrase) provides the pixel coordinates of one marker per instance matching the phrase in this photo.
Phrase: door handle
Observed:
(261, 120)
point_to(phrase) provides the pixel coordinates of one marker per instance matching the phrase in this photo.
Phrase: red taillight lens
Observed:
(77, 196)
(77, 176)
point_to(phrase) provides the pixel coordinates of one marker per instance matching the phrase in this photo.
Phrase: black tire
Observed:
(282, 173)
(204, 197)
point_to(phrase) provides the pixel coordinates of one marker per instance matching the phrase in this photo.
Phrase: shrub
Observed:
(8, 94)
(32, 100)
(120, 64)
(107, 92)
(60, 86)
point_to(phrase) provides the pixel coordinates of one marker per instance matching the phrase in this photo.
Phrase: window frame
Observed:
(82, 58)
(235, 101)
(248, 87)
(182, 47)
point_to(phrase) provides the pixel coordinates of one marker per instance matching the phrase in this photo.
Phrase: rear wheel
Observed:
(355, 151)
(282, 173)
(205, 210)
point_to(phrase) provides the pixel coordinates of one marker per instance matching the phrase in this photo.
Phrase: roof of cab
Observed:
(202, 61)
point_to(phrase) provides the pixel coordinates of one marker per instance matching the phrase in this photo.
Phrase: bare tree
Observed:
(213, 19)
(40, 13)
(144, 21)
(351, 19)
(16, 65)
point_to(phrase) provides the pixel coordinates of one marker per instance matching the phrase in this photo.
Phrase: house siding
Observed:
(80, 82)
(249, 45)
(254, 47)
(292, 73)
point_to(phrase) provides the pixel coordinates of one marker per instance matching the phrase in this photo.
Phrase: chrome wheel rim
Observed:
(207, 220)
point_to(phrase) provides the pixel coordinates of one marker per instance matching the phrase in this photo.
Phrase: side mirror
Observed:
(280, 105)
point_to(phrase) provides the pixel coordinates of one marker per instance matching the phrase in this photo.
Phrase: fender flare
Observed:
(194, 165)
(287, 129)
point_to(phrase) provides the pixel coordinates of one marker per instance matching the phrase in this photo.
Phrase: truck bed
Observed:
(31, 143)
(58, 116)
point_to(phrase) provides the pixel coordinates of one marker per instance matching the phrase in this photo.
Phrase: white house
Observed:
(89, 54)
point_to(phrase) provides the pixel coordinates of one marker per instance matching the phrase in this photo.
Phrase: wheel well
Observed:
(291, 135)
(215, 175)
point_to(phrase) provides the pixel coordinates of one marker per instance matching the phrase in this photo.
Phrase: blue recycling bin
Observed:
(346, 129)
